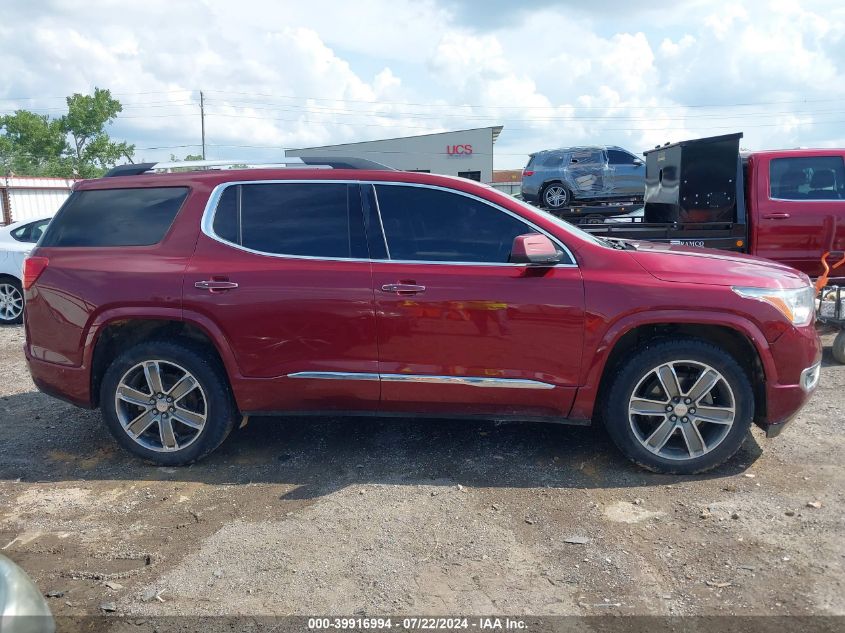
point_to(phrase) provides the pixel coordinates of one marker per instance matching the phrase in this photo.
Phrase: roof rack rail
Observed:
(301, 162)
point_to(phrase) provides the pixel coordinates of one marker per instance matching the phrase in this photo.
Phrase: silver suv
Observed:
(558, 178)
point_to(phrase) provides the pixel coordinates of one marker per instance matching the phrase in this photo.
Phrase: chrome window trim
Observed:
(468, 381)
(207, 223)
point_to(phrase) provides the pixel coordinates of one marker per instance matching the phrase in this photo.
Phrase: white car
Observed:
(16, 241)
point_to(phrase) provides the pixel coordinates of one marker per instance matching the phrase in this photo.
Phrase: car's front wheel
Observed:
(167, 401)
(679, 406)
(11, 301)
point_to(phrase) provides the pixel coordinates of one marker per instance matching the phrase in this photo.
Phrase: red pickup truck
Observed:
(784, 205)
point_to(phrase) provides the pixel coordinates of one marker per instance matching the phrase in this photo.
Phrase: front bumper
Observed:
(795, 399)
(797, 358)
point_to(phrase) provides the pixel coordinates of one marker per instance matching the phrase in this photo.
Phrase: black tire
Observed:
(220, 411)
(16, 293)
(615, 409)
(557, 202)
(838, 348)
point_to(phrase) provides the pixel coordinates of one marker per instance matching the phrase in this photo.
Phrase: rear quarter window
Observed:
(115, 217)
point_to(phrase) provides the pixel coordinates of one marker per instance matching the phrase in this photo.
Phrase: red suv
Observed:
(179, 302)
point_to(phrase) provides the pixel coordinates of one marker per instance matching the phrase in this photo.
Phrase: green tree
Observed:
(91, 150)
(75, 144)
(33, 144)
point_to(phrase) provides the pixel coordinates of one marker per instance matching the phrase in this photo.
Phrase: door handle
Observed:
(403, 289)
(215, 285)
(775, 216)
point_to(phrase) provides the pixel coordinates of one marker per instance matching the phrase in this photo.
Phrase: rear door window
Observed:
(807, 178)
(115, 217)
(423, 224)
(298, 219)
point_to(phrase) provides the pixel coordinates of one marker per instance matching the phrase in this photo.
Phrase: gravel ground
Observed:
(339, 516)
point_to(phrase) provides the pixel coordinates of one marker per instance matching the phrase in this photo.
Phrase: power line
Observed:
(451, 105)
(523, 107)
(114, 94)
(510, 128)
(398, 116)
(570, 117)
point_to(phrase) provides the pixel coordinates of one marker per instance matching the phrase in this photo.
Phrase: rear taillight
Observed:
(32, 269)
(527, 172)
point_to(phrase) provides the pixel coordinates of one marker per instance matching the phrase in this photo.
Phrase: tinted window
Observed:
(310, 219)
(30, 232)
(433, 225)
(115, 217)
(226, 218)
(810, 178)
(615, 157)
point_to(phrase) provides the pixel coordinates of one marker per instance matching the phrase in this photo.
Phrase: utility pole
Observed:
(202, 122)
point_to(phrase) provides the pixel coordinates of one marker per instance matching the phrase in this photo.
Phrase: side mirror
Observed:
(534, 249)
(637, 162)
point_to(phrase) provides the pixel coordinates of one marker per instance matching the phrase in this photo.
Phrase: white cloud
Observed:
(299, 74)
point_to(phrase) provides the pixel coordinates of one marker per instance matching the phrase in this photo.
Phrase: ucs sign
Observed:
(459, 150)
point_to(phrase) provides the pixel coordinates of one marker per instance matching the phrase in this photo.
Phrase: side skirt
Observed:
(421, 416)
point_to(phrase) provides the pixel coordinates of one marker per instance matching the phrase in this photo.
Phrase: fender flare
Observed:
(591, 376)
(204, 323)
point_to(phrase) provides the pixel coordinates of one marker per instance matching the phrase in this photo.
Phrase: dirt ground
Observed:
(340, 516)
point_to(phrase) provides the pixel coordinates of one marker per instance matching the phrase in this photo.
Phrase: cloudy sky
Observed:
(280, 74)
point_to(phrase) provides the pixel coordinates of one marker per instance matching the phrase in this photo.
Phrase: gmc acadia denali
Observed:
(179, 301)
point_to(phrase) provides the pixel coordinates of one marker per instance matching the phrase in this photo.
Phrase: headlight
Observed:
(797, 305)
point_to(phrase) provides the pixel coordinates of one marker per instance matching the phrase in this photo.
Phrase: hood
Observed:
(684, 264)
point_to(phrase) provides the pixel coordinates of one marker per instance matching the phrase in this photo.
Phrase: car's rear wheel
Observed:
(168, 402)
(556, 195)
(679, 407)
(11, 302)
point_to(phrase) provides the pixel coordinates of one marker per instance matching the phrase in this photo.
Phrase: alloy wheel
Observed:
(682, 409)
(161, 406)
(11, 302)
(556, 196)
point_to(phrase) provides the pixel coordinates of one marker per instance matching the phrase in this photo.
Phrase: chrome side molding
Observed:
(334, 375)
(469, 381)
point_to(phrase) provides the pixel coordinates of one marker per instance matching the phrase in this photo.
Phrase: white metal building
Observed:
(466, 153)
(29, 198)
